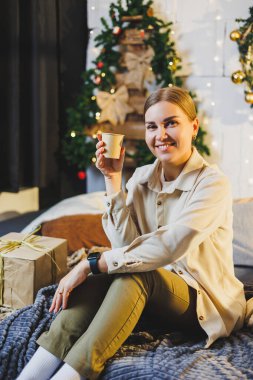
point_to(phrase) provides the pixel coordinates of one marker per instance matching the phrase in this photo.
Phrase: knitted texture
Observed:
(145, 355)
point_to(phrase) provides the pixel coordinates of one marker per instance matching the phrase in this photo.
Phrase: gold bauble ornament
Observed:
(235, 35)
(238, 77)
(249, 97)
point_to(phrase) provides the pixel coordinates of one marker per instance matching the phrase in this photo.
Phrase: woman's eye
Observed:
(170, 123)
(151, 126)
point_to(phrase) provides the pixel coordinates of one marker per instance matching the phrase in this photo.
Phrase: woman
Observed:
(171, 257)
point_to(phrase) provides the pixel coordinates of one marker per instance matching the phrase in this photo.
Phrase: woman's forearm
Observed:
(113, 183)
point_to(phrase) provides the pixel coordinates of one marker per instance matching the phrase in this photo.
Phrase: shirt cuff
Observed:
(120, 262)
(114, 202)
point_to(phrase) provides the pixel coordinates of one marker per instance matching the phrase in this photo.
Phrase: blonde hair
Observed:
(175, 95)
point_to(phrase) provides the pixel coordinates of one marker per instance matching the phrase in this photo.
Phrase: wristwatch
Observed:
(93, 261)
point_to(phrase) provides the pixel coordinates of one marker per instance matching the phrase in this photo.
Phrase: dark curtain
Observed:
(42, 54)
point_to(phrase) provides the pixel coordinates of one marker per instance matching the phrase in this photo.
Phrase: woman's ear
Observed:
(195, 126)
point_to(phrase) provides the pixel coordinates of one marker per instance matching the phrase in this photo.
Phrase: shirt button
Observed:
(115, 263)
(108, 204)
(180, 272)
(199, 292)
(159, 203)
(201, 317)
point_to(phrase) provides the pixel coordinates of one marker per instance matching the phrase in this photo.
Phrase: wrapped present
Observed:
(28, 263)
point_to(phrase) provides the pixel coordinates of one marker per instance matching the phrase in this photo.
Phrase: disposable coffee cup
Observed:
(113, 143)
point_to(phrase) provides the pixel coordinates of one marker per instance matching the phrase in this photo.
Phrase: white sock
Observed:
(42, 366)
(67, 373)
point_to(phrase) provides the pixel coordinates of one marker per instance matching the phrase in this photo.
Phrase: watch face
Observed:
(94, 255)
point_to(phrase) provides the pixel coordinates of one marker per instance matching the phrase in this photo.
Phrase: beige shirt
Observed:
(184, 225)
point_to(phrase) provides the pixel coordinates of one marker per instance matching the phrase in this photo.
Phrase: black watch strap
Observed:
(93, 260)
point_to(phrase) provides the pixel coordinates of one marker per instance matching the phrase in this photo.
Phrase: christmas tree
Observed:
(244, 39)
(136, 51)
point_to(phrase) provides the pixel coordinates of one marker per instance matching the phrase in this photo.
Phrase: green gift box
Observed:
(28, 263)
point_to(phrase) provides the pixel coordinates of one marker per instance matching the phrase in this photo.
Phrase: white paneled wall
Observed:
(209, 57)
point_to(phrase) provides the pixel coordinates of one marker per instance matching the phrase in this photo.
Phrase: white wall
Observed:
(202, 29)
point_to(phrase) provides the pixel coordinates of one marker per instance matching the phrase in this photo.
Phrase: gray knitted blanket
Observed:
(145, 355)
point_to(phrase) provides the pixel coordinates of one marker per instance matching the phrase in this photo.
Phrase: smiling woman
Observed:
(171, 258)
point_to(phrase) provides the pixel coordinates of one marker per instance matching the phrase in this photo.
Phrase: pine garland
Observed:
(78, 143)
(244, 39)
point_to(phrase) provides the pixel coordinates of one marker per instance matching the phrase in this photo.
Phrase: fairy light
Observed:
(94, 136)
(91, 32)
(170, 85)
(150, 27)
(94, 159)
(102, 74)
(93, 8)
(170, 63)
(93, 97)
(73, 134)
(112, 90)
(97, 115)
(172, 32)
(219, 43)
(214, 143)
(209, 84)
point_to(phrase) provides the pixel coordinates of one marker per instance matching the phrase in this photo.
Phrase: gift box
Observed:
(28, 263)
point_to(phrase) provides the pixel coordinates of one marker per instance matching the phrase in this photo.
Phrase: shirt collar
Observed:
(184, 181)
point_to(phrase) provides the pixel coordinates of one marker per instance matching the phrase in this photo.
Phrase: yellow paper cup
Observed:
(113, 143)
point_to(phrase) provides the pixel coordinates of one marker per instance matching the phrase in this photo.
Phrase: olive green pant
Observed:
(105, 309)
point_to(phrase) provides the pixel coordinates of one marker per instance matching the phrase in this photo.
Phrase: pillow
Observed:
(80, 231)
(243, 233)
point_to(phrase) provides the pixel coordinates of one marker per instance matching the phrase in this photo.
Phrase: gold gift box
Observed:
(25, 270)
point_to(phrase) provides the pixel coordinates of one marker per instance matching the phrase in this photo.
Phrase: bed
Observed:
(150, 354)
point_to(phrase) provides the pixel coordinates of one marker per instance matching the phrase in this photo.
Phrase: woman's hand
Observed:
(108, 166)
(74, 278)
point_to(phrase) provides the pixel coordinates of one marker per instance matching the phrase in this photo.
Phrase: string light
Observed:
(112, 90)
(209, 84)
(170, 85)
(93, 97)
(93, 8)
(73, 134)
(170, 63)
(94, 159)
(102, 74)
(172, 32)
(219, 43)
(91, 32)
(94, 136)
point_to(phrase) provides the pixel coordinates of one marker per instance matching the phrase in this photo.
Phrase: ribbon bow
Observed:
(139, 68)
(27, 240)
(114, 106)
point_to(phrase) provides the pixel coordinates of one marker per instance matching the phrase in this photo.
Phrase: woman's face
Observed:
(169, 133)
